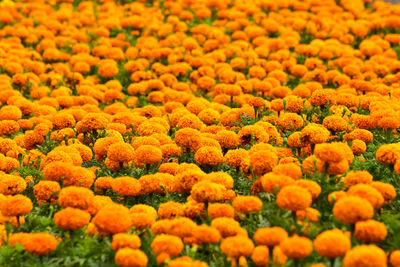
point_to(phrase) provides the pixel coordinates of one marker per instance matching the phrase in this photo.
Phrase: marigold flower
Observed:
(351, 209)
(365, 255)
(168, 244)
(108, 69)
(388, 153)
(216, 210)
(329, 152)
(387, 191)
(189, 178)
(263, 161)
(395, 258)
(270, 236)
(126, 186)
(46, 191)
(210, 156)
(123, 240)
(221, 178)
(332, 243)
(247, 204)
(292, 170)
(293, 198)
(75, 197)
(357, 177)
(11, 184)
(296, 247)
(205, 234)
(370, 231)
(260, 256)
(314, 134)
(182, 227)
(35, 243)
(188, 138)
(278, 256)
(228, 139)
(148, 155)
(308, 214)
(71, 219)
(142, 216)
(207, 191)
(121, 152)
(98, 203)
(170, 209)
(16, 205)
(226, 226)
(367, 192)
(105, 219)
(237, 246)
(272, 182)
(313, 187)
(128, 257)
(234, 158)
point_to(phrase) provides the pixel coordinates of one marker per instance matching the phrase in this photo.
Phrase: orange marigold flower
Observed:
(351, 209)
(128, 257)
(147, 154)
(170, 209)
(188, 138)
(314, 134)
(189, 178)
(395, 258)
(296, 247)
(207, 191)
(263, 161)
(365, 255)
(143, 216)
(71, 219)
(102, 183)
(216, 210)
(121, 152)
(226, 226)
(292, 170)
(388, 153)
(210, 156)
(126, 186)
(313, 187)
(387, 191)
(308, 214)
(11, 184)
(332, 243)
(35, 243)
(105, 219)
(237, 246)
(108, 69)
(358, 147)
(46, 191)
(247, 204)
(272, 182)
(234, 158)
(293, 198)
(370, 231)
(168, 244)
(75, 197)
(335, 123)
(357, 177)
(260, 256)
(16, 205)
(367, 192)
(329, 152)
(123, 240)
(270, 236)
(205, 234)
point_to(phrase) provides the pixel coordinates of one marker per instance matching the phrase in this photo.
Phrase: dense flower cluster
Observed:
(199, 133)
